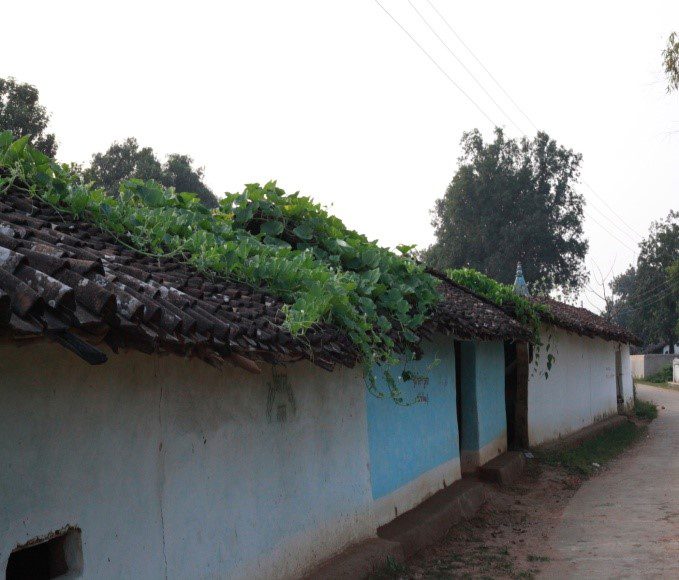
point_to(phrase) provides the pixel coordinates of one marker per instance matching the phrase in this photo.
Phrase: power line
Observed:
(612, 210)
(462, 42)
(518, 108)
(443, 71)
(627, 308)
(648, 302)
(616, 226)
(436, 64)
(464, 66)
(610, 233)
(648, 292)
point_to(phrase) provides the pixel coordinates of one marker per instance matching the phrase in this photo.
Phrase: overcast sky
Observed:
(334, 100)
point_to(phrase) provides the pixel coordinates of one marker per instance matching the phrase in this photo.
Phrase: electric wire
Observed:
(462, 42)
(621, 230)
(463, 65)
(589, 216)
(603, 200)
(485, 114)
(646, 303)
(516, 105)
(436, 64)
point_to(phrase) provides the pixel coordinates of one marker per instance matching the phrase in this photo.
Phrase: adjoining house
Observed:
(579, 374)
(646, 365)
(147, 462)
(458, 421)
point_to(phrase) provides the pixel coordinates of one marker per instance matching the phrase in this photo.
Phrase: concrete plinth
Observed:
(504, 469)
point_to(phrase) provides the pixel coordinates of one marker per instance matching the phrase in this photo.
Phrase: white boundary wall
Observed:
(645, 365)
(174, 469)
(580, 388)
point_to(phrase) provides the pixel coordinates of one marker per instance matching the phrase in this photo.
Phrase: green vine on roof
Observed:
(503, 295)
(285, 243)
(525, 311)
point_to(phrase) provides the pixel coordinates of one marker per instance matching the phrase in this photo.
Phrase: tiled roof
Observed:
(467, 315)
(67, 280)
(584, 322)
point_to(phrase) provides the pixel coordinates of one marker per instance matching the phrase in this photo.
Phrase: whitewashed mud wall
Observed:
(174, 469)
(580, 387)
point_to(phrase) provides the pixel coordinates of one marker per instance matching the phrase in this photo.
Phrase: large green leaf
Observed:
(272, 228)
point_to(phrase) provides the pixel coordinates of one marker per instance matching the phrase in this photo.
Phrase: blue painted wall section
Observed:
(407, 441)
(483, 393)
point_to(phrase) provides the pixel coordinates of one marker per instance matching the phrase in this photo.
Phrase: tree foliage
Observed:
(671, 62)
(126, 160)
(262, 236)
(22, 114)
(513, 201)
(646, 296)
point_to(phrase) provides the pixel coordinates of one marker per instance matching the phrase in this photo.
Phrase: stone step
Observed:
(504, 469)
(427, 523)
(359, 560)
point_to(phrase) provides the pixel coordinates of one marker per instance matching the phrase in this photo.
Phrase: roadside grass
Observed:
(645, 410)
(587, 457)
(391, 569)
(665, 385)
(664, 375)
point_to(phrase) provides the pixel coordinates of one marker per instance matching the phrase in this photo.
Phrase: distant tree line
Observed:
(126, 160)
(646, 296)
(22, 114)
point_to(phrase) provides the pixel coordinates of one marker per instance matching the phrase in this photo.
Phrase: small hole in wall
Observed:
(53, 556)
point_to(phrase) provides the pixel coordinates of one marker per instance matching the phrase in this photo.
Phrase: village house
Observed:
(159, 423)
(144, 465)
(579, 374)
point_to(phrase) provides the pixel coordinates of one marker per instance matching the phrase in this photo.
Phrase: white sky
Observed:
(334, 100)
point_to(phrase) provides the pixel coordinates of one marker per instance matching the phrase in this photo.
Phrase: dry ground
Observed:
(511, 536)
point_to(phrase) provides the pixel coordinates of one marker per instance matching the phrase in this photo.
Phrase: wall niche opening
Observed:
(53, 556)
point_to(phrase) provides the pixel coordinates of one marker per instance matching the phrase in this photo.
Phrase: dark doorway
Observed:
(458, 390)
(510, 393)
(618, 380)
(516, 393)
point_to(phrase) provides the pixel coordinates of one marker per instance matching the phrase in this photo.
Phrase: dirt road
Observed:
(624, 523)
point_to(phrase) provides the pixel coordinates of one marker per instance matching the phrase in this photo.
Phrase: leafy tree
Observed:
(22, 114)
(126, 160)
(123, 161)
(179, 173)
(671, 62)
(513, 200)
(646, 297)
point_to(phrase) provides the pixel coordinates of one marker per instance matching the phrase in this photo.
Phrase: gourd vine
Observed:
(284, 243)
(527, 312)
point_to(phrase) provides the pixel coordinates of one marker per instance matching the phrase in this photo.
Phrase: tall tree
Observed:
(126, 160)
(513, 201)
(178, 172)
(22, 114)
(671, 62)
(646, 297)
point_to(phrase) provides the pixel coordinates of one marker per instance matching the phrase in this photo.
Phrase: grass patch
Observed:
(664, 375)
(645, 410)
(601, 449)
(659, 385)
(391, 569)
